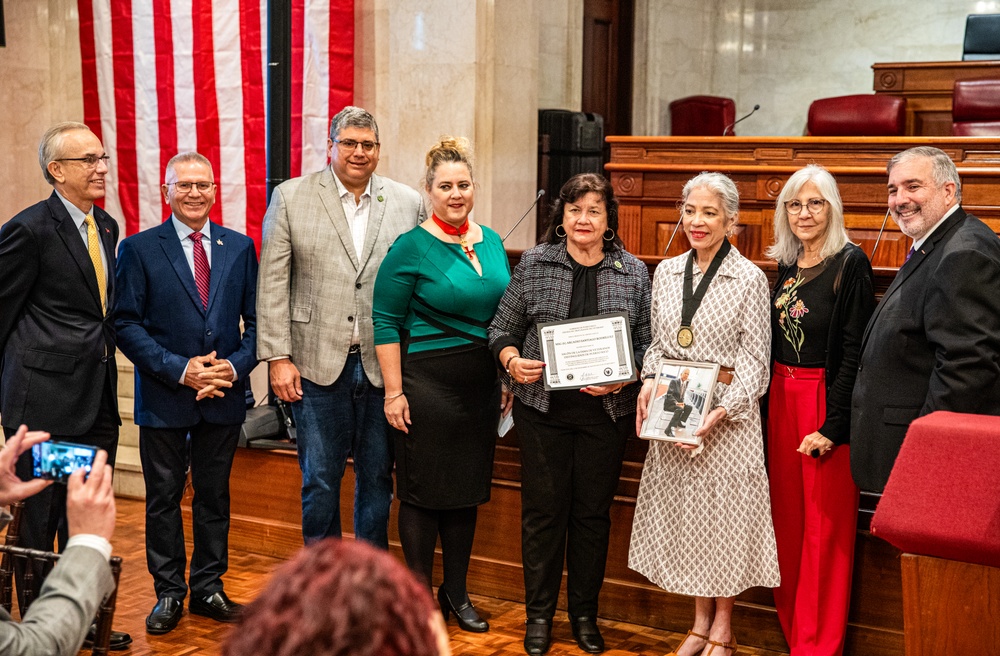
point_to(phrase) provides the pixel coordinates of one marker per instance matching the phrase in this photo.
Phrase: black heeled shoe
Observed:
(537, 636)
(468, 618)
(587, 635)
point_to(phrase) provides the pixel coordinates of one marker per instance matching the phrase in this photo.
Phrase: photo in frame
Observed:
(681, 398)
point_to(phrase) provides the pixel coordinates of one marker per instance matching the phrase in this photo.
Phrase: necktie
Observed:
(202, 272)
(909, 254)
(94, 248)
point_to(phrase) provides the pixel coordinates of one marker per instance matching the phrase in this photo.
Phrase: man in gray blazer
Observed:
(325, 235)
(59, 619)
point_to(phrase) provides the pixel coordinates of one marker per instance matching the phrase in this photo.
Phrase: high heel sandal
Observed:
(731, 645)
(689, 635)
(468, 618)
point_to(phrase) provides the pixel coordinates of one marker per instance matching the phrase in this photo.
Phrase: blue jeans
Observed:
(332, 422)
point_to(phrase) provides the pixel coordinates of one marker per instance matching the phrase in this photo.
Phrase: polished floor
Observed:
(248, 573)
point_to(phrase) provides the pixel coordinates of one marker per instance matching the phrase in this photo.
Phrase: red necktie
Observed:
(202, 272)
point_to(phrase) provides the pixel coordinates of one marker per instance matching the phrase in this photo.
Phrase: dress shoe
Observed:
(537, 636)
(217, 606)
(166, 613)
(120, 641)
(587, 635)
(468, 618)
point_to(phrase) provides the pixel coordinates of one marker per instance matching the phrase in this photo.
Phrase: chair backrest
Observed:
(701, 116)
(975, 108)
(862, 115)
(34, 563)
(982, 37)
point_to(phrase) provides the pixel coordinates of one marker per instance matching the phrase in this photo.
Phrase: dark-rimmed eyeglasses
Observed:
(90, 161)
(349, 145)
(186, 187)
(814, 205)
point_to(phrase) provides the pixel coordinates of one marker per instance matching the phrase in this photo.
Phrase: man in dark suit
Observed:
(934, 340)
(673, 401)
(57, 341)
(184, 286)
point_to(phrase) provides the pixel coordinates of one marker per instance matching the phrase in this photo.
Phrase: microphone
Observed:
(871, 257)
(541, 192)
(733, 124)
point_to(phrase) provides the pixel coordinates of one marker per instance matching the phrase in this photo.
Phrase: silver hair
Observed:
(50, 147)
(721, 186)
(943, 169)
(183, 158)
(787, 247)
(353, 117)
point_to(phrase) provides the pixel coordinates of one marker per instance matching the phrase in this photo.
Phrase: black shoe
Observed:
(537, 636)
(217, 606)
(119, 640)
(165, 615)
(468, 618)
(587, 635)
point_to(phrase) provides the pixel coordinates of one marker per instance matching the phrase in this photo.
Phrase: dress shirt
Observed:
(79, 216)
(357, 219)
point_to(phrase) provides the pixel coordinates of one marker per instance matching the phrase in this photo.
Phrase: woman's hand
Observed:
(506, 400)
(815, 442)
(397, 412)
(642, 405)
(525, 371)
(601, 390)
(711, 419)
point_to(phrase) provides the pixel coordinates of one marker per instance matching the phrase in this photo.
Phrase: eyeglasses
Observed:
(815, 206)
(348, 145)
(186, 187)
(90, 161)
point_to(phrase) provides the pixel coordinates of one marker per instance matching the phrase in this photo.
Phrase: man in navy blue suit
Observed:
(184, 286)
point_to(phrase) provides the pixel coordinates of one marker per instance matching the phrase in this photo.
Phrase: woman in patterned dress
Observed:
(702, 522)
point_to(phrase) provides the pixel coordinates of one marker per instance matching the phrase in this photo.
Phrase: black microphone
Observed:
(541, 192)
(733, 124)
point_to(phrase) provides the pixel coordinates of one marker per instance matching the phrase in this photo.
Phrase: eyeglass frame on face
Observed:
(350, 145)
(813, 206)
(90, 161)
(185, 187)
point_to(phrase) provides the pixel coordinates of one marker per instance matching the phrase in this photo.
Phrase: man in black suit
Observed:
(57, 261)
(934, 340)
(673, 401)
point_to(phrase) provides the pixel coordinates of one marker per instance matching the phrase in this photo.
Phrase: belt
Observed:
(355, 348)
(725, 375)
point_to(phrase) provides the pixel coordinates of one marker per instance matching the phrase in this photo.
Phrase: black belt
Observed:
(355, 348)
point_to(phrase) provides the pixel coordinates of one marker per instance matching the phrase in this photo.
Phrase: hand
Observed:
(525, 371)
(711, 419)
(601, 390)
(642, 404)
(218, 370)
(202, 372)
(90, 503)
(506, 400)
(815, 441)
(285, 380)
(397, 412)
(13, 488)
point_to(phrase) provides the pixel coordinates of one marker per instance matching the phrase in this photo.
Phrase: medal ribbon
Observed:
(692, 297)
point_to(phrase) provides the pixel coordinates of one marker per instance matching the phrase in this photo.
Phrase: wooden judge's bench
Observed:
(648, 174)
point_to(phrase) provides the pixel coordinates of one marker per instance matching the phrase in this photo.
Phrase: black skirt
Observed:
(446, 460)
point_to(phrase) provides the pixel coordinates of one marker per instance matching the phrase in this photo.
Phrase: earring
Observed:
(612, 237)
(558, 228)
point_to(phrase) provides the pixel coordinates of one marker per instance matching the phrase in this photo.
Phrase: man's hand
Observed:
(13, 488)
(285, 380)
(90, 503)
(208, 376)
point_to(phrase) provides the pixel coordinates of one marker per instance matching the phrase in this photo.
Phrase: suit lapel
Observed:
(70, 236)
(175, 255)
(375, 213)
(220, 260)
(335, 210)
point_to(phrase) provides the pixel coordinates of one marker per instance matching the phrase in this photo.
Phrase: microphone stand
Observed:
(541, 192)
(871, 258)
(733, 124)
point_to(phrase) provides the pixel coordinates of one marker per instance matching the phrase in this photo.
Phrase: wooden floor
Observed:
(248, 573)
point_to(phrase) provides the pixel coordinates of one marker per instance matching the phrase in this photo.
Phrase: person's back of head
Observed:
(338, 597)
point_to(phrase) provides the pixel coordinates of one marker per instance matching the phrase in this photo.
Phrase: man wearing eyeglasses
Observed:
(57, 340)
(325, 235)
(933, 342)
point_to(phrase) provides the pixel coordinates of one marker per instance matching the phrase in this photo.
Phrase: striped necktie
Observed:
(94, 248)
(202, 272)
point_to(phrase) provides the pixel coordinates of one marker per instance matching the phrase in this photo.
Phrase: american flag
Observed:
(167, 76)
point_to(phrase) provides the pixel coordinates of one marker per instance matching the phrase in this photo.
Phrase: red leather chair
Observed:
(975, 108)
(857, 116)
(701, 116)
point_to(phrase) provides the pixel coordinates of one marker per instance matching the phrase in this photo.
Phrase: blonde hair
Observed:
(447, 149)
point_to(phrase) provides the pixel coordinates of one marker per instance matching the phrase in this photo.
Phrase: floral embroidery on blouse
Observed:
(791, 310)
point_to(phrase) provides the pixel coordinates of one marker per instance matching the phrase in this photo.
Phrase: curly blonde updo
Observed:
(448, 149)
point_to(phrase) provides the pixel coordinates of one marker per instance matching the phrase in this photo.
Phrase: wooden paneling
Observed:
(927, 87)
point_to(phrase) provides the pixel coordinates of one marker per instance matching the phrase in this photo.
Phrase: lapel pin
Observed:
(618, 265)
(380, 199)
(219, 242)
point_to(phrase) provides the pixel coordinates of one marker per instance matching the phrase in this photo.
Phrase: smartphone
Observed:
(55, 461)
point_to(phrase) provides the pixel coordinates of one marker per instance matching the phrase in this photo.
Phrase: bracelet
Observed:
(509, 360)
(649, 377)
(394, 396)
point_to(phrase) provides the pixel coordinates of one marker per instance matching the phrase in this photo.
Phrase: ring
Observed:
(525, 379)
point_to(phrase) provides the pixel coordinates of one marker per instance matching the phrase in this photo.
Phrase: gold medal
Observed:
(685, 337)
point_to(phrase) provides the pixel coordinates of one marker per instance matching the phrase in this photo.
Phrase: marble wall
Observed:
(781, 54)
(560, 54)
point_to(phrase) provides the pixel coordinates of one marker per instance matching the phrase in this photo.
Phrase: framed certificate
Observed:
(681, 398)
(587, 351)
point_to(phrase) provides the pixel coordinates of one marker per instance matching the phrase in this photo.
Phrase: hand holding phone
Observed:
(55, 461)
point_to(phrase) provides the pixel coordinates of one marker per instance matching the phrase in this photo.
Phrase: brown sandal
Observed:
(731, 645)
(689, 634)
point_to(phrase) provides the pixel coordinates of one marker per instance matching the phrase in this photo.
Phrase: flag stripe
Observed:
(205, 101)
(88, 62)
(123, 65)
(147, 126)
(315, 85)
(229, 95)
(254, 130)
(105, 120)
(298, 53)
(166, 108)
(341, 56)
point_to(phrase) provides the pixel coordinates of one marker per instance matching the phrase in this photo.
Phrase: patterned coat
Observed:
(702, 523)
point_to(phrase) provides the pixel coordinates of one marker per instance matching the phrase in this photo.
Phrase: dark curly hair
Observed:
(576, 188)
(334, 598)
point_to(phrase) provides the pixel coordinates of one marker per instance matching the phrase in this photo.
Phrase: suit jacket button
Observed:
(357, 285)
(104, 359)
(350, 319)
(208, 333)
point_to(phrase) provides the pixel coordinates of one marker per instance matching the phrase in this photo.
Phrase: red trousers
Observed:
(814, 504)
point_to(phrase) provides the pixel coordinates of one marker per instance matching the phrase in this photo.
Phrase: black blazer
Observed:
(933, 343)
(57, 343)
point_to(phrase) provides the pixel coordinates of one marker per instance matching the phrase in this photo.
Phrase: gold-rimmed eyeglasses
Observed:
(814, 205)
(90, 161)
(348, 145)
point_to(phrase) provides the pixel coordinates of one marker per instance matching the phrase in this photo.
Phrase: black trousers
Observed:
(569, 474)
(165, 456)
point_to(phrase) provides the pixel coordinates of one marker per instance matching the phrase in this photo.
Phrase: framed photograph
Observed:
(680, 400)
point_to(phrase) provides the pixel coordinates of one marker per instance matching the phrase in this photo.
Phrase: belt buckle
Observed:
(355, 348)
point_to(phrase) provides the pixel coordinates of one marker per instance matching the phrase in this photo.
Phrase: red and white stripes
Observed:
(167, 76)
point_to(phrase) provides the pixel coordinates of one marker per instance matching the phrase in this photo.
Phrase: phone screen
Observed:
(57, 460)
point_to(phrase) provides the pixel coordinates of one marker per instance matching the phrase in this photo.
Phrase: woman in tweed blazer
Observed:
(572, 442)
